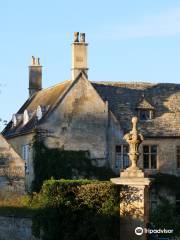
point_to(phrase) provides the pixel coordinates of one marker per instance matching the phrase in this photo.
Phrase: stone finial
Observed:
(134, 139)
(76, 36)
(134, 125)
(82, 37)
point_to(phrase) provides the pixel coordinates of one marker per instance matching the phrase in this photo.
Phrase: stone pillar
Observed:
(134, 209)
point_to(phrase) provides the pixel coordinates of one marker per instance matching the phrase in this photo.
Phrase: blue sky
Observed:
(128, 41)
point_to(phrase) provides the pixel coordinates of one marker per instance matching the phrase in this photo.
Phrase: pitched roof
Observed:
(45, 98)
(123, 99)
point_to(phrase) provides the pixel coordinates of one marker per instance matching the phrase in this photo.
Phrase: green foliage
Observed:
(58, 163)
(76, 210)
(166, 217)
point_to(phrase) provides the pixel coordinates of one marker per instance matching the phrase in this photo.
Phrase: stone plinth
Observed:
(134, 209)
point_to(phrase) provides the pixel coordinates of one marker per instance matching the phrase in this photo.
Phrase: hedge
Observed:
(76, 210)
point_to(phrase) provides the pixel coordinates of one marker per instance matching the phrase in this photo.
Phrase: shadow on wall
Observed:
(11, 182)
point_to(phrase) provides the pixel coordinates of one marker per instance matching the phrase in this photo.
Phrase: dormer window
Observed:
(14, 120)
(25, 117)
(39, 113)
(145, 110)
(144, 114)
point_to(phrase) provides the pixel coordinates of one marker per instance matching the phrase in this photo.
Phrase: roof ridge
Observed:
(55, 85)
(121, 82)
(134, 82)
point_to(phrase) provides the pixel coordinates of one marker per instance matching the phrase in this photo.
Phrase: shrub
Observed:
(77, 209)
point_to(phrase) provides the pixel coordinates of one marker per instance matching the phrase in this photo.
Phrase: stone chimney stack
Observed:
(35, 76)
(79, 55)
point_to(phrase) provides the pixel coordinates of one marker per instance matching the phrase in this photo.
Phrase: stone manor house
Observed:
(80, 114)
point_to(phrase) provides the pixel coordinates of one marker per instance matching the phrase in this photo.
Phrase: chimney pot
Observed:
(37, 61)
(82, 37)
(33, 60)
(76, 36)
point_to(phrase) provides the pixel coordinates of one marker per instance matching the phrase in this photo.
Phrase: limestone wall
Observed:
(17, 143)
(115, 137)
(11, 171)
(80, 122)
(14, 228)
(166, 155)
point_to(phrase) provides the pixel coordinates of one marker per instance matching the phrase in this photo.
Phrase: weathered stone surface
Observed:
(17, 144)
(14, 228)
(11, 171)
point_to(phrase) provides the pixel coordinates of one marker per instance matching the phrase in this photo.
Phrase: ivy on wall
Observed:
(59, 163)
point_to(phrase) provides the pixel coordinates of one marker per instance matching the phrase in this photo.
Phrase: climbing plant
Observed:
(59, 163)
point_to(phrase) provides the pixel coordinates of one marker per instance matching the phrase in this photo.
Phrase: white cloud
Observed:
(163, 24)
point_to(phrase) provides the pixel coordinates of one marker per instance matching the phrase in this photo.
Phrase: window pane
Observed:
(146, 149)
(118, 163)
(122, 158)
(178, 150)
(154, 149)
(126, 161)
(153, 161)
(125, 149)
(178, 161)
(144, 114)
(118, 148)
(146, 160)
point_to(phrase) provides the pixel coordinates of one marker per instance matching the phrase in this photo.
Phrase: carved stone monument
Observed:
(134, 209)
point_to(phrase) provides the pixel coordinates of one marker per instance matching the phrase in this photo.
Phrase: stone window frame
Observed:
(149, 154)
(25, 148)
(178, 156)
(120, 158)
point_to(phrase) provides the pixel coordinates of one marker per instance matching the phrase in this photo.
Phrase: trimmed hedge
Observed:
(76, 210)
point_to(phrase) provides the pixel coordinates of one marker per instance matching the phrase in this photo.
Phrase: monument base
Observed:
(134, 207)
